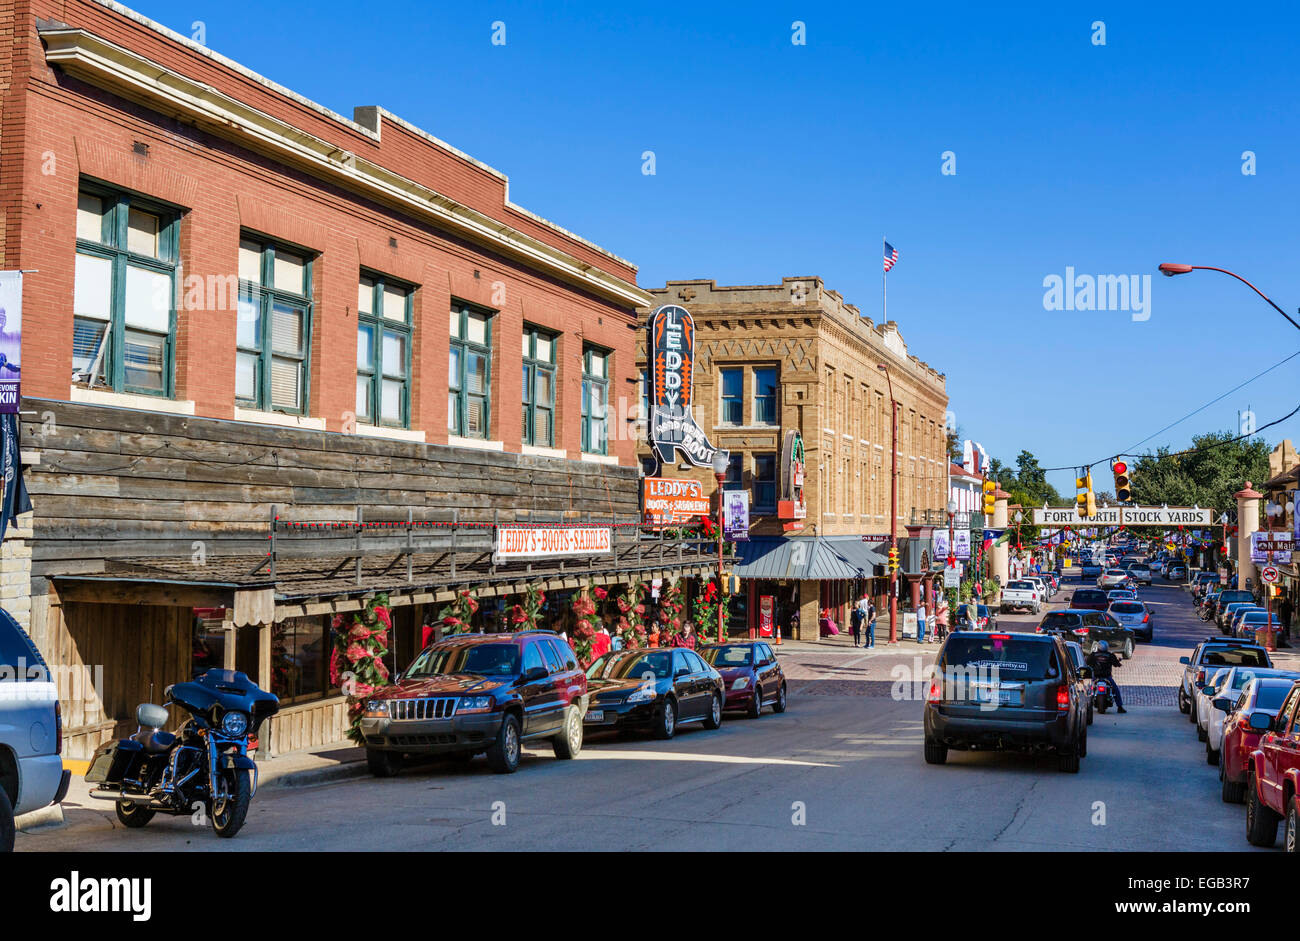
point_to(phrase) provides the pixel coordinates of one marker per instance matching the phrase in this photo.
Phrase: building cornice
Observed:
(123, 72)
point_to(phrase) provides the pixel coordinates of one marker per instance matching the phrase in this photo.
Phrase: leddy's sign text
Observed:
(542, 542)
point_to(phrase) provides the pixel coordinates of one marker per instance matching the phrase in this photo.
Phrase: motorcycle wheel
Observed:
(228, 815)
(133, 815)
(1102, 707)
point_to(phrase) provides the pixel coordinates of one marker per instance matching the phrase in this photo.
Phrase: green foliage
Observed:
(1206, 477)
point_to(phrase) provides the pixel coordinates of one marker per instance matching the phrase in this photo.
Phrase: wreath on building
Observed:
(523, 615)
(357, 659)
(457, 613)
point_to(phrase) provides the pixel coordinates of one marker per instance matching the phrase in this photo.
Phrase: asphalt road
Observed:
(841, 770)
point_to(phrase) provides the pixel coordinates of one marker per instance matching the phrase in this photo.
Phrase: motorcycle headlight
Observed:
(741, 683)
(474, 704)
(234, 724)
(644, 694)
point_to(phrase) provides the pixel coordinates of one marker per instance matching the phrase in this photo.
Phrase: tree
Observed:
(1208, 475)
(953, 437)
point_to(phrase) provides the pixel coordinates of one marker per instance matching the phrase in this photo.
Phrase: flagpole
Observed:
(884, 285)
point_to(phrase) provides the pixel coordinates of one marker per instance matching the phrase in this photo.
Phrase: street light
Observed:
(951, 561)
(1169, 270)
(721, 459)
(893, 503)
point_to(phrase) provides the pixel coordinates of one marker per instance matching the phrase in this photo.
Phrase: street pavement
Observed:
(841, 770)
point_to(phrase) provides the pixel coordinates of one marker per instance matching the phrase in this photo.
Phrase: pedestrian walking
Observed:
(941, 618)
(920, 624)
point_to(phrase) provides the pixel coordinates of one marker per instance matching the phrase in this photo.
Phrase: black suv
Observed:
(479, 692)
(1007, 691)
(1086, 627)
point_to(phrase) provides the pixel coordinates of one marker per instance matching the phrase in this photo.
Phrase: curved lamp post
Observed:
(1169, 270)
(720, 461)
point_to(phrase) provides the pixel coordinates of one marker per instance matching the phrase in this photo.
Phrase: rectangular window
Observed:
(300, 652)
(765, 411)
(595, 400)
(733, 397)
(383, 352)
(539, 387)
(735, 472)
(124, 324)
(273, 327)
(470, 373)
(765, 482)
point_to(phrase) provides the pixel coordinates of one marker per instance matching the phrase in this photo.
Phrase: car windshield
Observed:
(624, 664)
(1235, 657)
(451, 658)
(1016, 657)
(732, 655)
(1060, 620)
(1126, 607)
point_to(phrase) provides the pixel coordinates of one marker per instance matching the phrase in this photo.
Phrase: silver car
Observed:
(1134, 615)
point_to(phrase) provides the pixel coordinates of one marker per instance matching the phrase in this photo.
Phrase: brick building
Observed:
(772, 359)
(245, 306)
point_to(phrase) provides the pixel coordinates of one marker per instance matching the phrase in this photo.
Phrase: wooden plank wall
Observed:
(120, 483)
(132, 652)
(305, 726)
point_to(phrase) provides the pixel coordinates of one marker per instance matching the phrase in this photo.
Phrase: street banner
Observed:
(522, 543)
(1268, 546)
(961, 543)
(16, 500)
(766, 615)
(1125, 516)
(11, 339)
(668, 501)
(670, 345)
(735, 515)
(939, 545)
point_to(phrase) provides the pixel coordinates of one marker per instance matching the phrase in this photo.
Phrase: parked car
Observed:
(1045, 587)
(1240, 738)
(1215, 652)
(1253, 622)
(1018, 691)
(1226, 597)
(986, 619)
(470, 693)
(654, 690)
(1273, 775)
(32, 775)
(1093, 599)
(1135, 616)
(1021, 593)
(752, 675)
(1226, 682)
(1230, 610)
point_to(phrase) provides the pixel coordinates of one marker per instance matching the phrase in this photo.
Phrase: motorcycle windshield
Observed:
(229, 689)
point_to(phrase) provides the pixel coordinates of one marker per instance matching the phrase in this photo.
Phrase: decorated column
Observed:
(1247, 524)
(1001, 552)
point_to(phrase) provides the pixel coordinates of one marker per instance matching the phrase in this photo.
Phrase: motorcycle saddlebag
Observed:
(111, 761)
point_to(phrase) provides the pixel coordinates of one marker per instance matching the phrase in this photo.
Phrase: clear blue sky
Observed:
(774, 159)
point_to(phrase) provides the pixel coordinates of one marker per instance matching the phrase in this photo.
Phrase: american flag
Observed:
(891, 256)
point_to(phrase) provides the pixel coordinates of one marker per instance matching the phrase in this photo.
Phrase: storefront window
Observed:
(209, 642)
(300, 652)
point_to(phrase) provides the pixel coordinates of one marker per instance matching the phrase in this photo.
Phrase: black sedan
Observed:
(1087, 627)
(655, 690)
(752, 675)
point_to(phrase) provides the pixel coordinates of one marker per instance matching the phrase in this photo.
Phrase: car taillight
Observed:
(1146, 617)
(999, 637)
(1081, 630)
(1062, 698)
(58, 728)
(1200, 677)
(936, 691)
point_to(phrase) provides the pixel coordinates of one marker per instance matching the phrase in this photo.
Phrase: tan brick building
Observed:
(795, 356)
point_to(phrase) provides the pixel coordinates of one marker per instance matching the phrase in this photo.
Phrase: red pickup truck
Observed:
(1273, 785)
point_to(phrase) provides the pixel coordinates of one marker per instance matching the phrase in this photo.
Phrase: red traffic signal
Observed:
(1119, 467)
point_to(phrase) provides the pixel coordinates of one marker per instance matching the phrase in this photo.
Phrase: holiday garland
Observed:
(708, 613)
(631, 610)
(584, 628)
(670, 612)
(356, 661)
(523, 616)
(456, 614)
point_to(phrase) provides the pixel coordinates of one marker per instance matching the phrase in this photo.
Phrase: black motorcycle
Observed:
(203, 770)
(1103, 696)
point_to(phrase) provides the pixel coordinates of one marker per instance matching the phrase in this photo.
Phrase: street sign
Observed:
(951, 577)
(1125, 516)
(1268, 575)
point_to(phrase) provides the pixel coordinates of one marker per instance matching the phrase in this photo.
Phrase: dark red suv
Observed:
(1273, 775)
(479, 692)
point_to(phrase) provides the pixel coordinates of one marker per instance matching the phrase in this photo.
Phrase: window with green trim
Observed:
(273, 331)
(469, 373)
(124, 320)
(539, 387)
(595, 400)
(383, 351)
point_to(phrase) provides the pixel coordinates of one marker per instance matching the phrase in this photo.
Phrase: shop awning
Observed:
(801, 558)
(863, 555)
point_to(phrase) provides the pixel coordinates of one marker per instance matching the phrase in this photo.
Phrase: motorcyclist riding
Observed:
(1102, 662)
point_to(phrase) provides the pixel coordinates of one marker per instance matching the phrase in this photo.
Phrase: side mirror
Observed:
(1223, 704)
(1261, 721)
(1085, 672)
(683, 671)
(1184, 660)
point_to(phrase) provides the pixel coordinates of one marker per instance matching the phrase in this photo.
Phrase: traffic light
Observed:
(1086, 501)
(893, 560)
(1123, 490)
(990, 501)
(730, 583)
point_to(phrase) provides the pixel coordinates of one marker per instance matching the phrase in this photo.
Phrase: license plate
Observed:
(595, 715)
(988, 694)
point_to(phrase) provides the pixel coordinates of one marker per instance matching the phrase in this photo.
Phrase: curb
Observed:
(312, 776)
